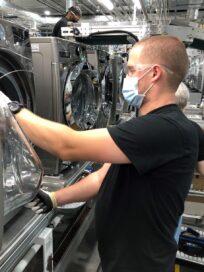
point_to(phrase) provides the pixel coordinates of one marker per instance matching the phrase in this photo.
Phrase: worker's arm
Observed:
(68, 144)
(200, 162)
(82, 190)
(200, 167)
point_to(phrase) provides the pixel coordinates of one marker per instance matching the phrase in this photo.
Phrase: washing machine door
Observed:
(106, 98)
(16, 76)
(20, 170)
(118, 100)
(120, 95)
(81, 98)
(16, 83)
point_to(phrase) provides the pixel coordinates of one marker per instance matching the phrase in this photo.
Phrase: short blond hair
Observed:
(182, 96)
(167, 50)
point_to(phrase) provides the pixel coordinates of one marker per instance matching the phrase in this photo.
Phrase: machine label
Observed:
(35, 47)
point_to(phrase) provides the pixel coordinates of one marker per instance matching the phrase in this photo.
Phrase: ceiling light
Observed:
(107, 3)
(32, 15)
(137, 4)
(2, 3)
(47, 12)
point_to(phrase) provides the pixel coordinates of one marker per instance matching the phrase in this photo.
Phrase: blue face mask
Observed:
(130, 91)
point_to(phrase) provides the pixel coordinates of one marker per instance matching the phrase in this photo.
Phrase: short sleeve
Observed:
(148, 141)
(201, 142)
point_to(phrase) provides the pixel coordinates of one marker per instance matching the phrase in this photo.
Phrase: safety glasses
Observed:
(129, 69)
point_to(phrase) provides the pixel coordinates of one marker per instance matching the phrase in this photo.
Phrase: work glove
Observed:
(43, 203)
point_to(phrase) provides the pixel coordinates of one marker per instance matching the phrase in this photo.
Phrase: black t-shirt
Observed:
(201, 141)
(139, 204)
(57, 28)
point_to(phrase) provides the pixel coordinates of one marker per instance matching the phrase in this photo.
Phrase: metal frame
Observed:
(28, 229)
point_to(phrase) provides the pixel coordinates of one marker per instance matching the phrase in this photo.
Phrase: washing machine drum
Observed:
(14, 81)
(81, 102)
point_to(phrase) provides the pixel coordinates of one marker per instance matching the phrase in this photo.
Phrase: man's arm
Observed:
(200, 167)
(200, 163)
(83, 190)
(68, 144)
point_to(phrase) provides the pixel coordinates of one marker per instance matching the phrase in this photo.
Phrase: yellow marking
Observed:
(177, 268)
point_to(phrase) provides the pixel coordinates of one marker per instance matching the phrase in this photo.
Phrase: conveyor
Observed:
(192, 254)
(189, 258)
(58, 233)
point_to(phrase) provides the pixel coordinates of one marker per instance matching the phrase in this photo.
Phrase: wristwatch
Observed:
(15, 106)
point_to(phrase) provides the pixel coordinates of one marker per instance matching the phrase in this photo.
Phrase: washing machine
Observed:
(16, 74)
(67, 88)
(106, 87)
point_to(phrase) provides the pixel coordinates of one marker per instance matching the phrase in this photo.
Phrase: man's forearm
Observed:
(83, 190)
(200, 168)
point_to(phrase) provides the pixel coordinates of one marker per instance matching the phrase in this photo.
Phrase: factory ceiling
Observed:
(181, 11)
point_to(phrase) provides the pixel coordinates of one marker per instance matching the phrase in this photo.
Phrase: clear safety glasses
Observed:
(129, 69)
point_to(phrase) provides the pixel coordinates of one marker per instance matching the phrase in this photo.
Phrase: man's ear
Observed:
(156, 72)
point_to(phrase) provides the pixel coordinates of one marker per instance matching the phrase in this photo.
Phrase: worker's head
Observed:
(156, 65)
(74, 14)
(165, 55)
(182, 96)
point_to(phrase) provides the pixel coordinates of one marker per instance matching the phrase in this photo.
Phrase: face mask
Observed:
(130, 91)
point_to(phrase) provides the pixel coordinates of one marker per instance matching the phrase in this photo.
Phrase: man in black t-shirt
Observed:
(73, 15)
(182, 97)
(149, 162)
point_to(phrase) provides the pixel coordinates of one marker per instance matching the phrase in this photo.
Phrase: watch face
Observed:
(15, 106)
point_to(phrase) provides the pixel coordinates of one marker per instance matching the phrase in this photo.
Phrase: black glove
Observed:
(43, 203)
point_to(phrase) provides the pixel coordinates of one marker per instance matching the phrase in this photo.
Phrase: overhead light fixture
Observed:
(2, 3)
(107, 3)
(47, 12)
(33, 15)
(137, 4)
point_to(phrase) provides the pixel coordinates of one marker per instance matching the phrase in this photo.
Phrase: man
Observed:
(149, 162)
(73, 15)
(182, 98)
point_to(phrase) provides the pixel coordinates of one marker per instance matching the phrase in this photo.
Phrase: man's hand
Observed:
(43, 203)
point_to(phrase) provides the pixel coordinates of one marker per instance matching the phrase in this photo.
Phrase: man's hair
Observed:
(182, 96)
(167, 50)
(76, 10)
